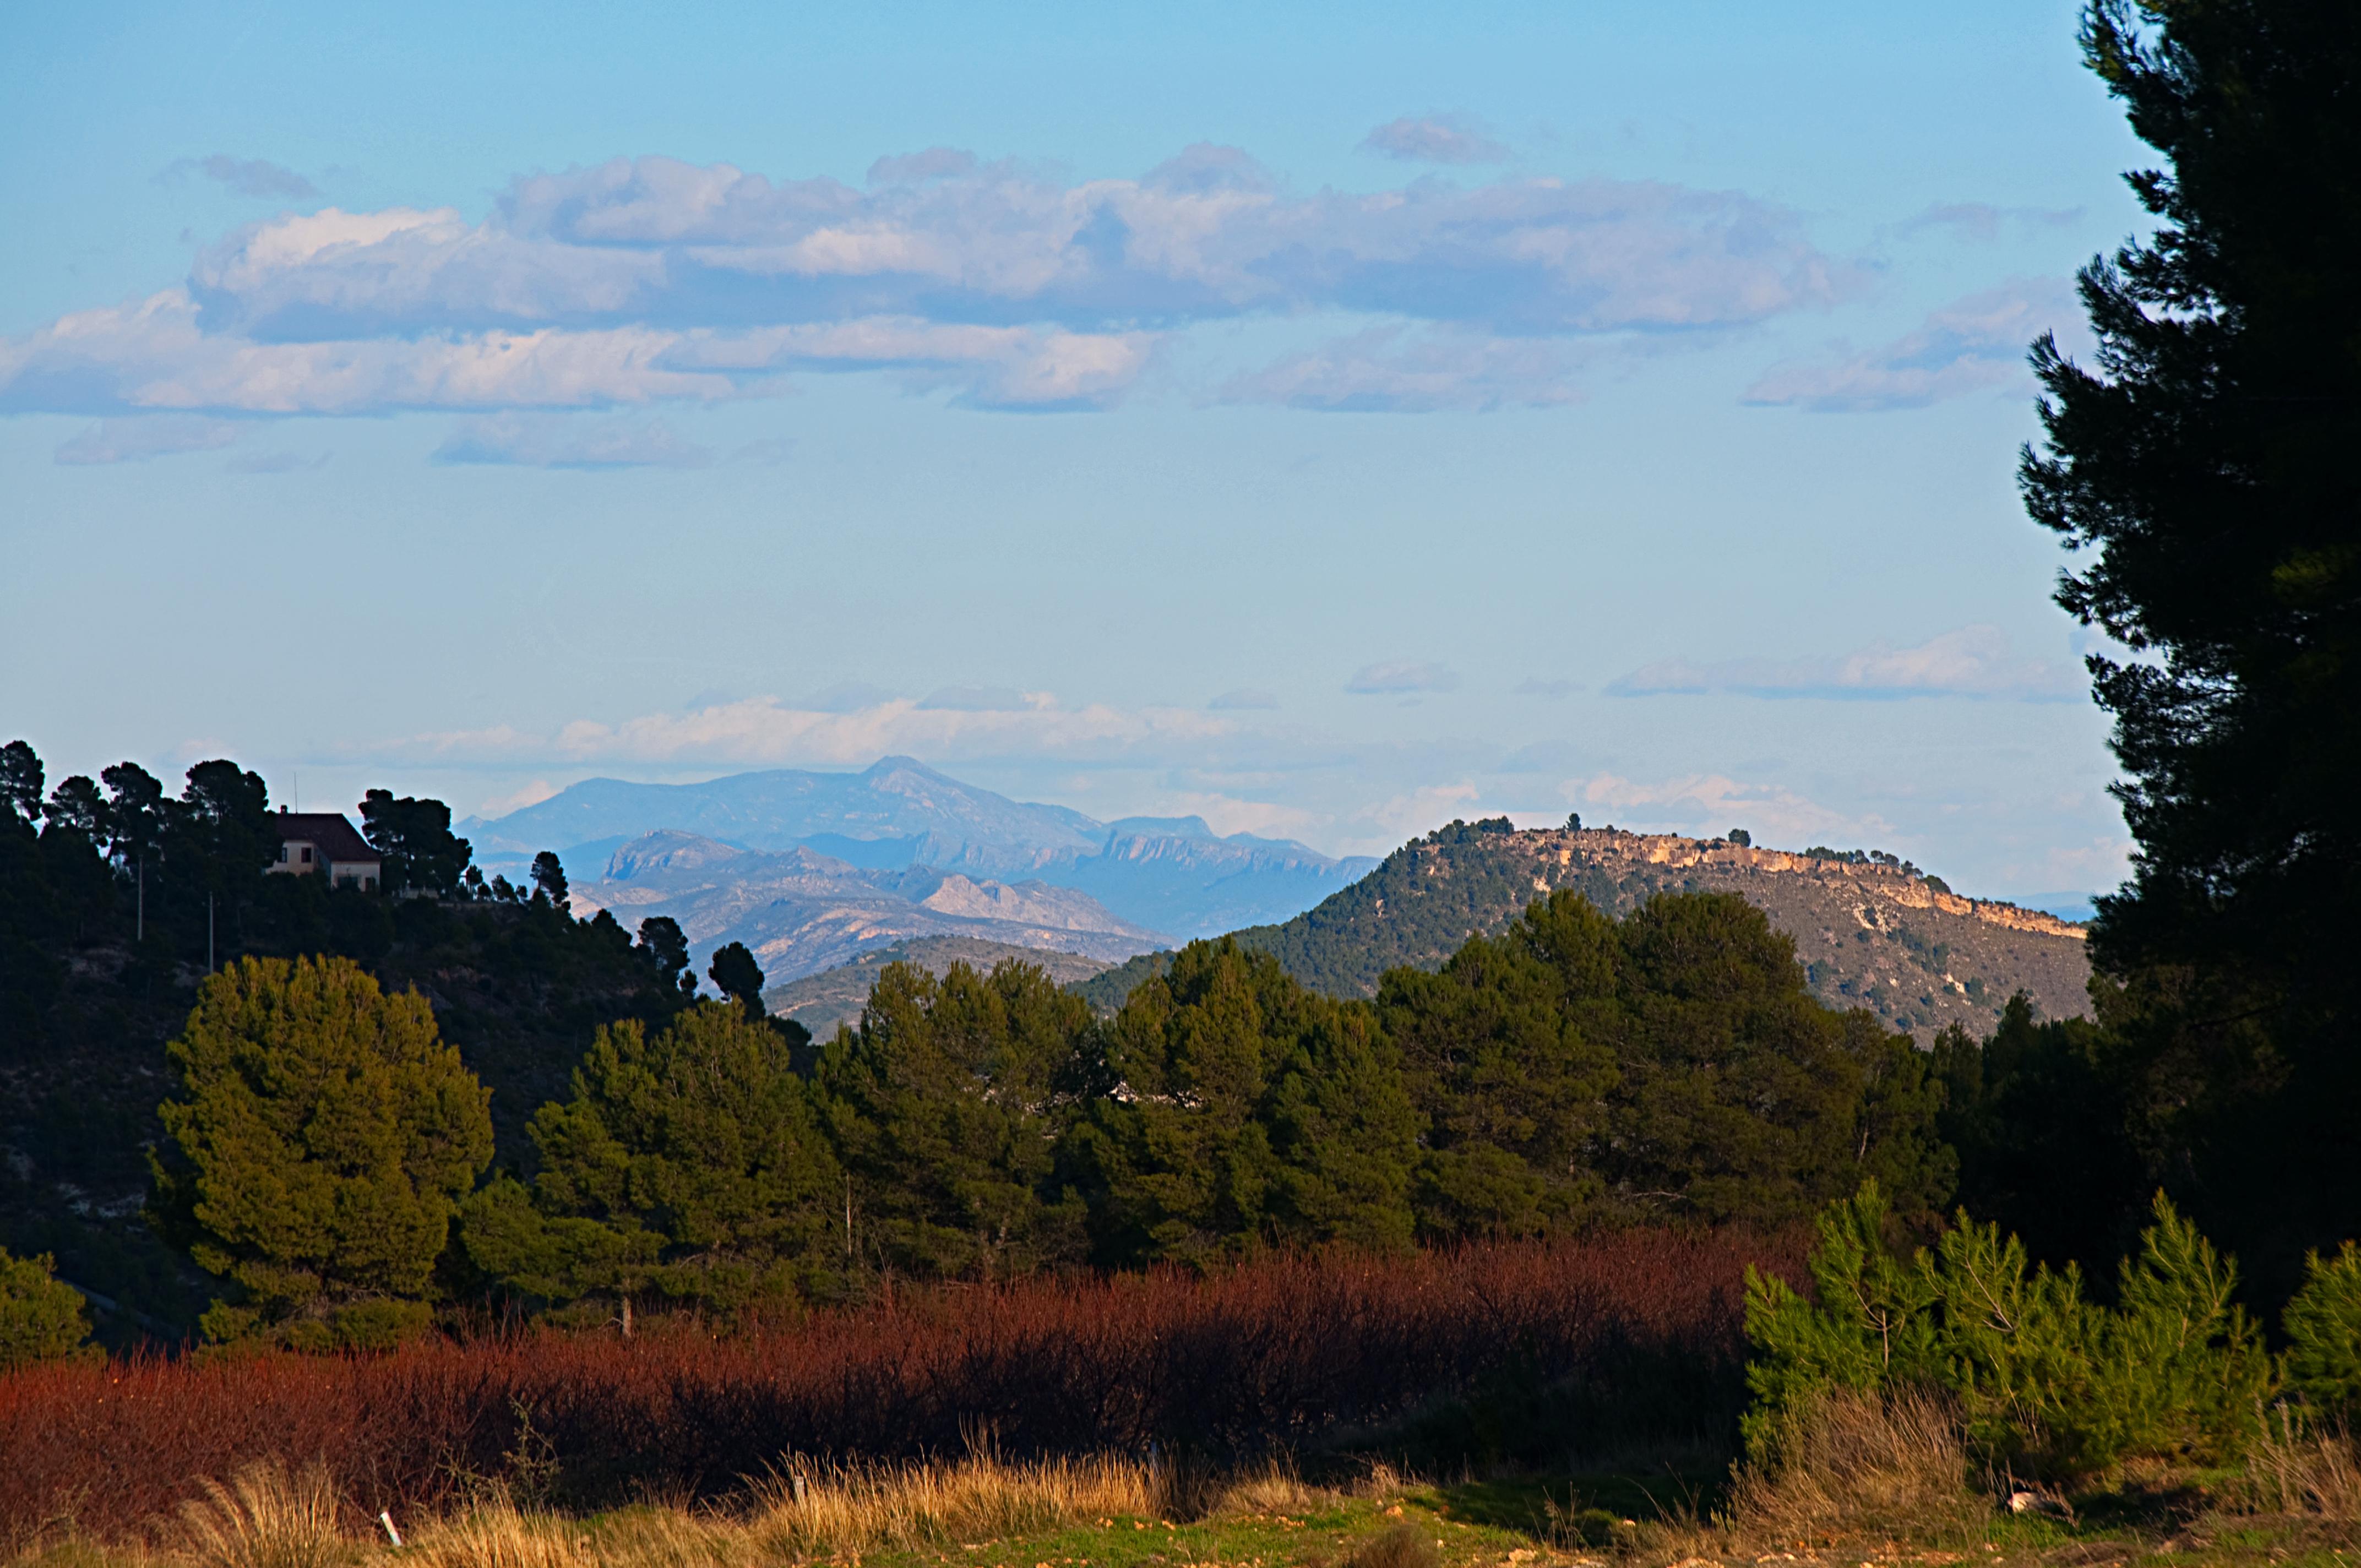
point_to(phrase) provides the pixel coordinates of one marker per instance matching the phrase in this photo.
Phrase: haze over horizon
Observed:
(1327, 424)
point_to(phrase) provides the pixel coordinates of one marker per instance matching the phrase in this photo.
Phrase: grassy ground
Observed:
(1111, 1513)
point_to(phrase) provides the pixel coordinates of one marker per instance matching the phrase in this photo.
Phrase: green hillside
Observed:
(1870, 930)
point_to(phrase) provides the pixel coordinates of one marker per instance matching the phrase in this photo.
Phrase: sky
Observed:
(1327, 420)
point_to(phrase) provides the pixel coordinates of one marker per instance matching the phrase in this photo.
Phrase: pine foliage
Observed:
(2322, 1324)
(689, 1164)
(321, 1135)
(948, 1104)
(41, 1318)
(2048, 1382)
(1253, 1111)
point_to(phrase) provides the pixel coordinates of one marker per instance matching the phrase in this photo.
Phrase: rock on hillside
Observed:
(821, 1001)
(801, 912)
(1868, 936)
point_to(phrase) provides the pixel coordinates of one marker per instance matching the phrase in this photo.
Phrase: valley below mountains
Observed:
(801, 912)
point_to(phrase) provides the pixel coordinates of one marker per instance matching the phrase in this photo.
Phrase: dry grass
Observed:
(1404, 1546)
(2311, 1474)
(1855, 1464)
(845, 1509)
(1278, 1490)
(268, 1517)
(265, 1518)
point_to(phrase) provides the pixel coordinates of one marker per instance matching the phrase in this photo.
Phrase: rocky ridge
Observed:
(1869, 935)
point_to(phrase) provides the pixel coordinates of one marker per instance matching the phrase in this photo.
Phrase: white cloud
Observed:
(1982, 221)
(1972, 661)
(155, 354)
(533, 793)
(546, 440)
(767, 731)
(1389, 369)
(1434, 139)
(649, 279)
(1226, 814)
(1400, 675)
(1422, 810)
(244, 175)
(1705, 804)
(1242, 697)
(1973, 344)
(136, 440)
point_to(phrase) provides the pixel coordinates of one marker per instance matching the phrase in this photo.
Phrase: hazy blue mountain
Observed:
(896, 799)
(1165, 873)
(802, 912)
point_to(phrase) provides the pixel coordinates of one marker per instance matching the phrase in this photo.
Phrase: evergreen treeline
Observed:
(1578, 1071)
(115, 893)
(328, 1156)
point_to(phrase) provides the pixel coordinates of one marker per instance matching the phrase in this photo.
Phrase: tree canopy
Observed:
(1255, 1113)
(2201, 469)
(321, 1135)
(420, 853)
(688, 1164)
(949, 1101)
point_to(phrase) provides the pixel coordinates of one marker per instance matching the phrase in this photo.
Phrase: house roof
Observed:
(326, 831)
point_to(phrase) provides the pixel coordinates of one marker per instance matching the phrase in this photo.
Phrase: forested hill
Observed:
(1871, 932)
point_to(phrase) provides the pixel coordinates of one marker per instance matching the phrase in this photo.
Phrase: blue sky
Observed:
(1328, 420)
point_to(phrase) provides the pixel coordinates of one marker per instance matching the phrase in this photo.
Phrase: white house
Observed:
(324, 844)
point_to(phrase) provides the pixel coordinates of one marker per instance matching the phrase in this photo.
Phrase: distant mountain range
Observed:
(1868, 936)
(1160, 874)
(801, 912)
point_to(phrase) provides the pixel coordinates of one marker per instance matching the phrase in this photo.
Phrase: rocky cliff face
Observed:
(1868, 936)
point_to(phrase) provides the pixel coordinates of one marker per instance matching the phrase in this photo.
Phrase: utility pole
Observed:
(209, 933)
(142, 873)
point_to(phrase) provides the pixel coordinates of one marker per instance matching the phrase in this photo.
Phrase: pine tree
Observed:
(1509, 1056)
(41, 1318)
(1743, 1098)
(1251, 1112)
(2205, 467)
(688, 1165)
(948, 1104)
(320, 1137)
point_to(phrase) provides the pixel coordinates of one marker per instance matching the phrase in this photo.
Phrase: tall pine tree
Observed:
(2204, 469)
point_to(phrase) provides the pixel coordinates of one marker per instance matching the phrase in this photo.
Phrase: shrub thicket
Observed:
(2048, 1382)
(1523, 1352)
(41, 1318)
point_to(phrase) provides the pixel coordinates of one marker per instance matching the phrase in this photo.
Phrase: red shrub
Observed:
(1627, 1338)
